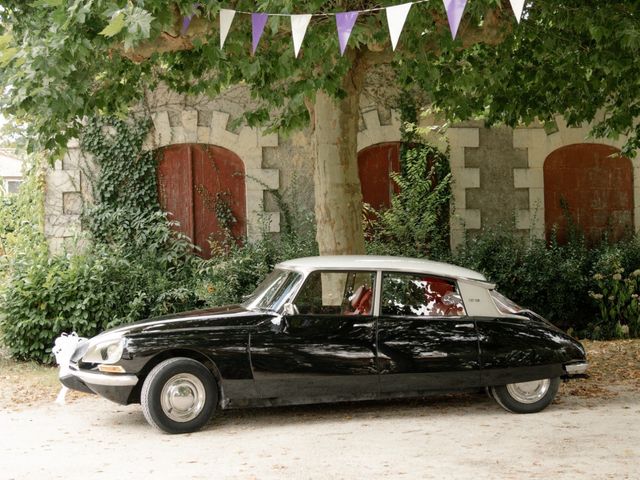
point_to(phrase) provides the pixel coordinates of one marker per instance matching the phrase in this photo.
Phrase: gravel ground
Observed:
(592, 431)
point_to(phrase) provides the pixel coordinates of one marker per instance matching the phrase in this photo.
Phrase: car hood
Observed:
(227, 316)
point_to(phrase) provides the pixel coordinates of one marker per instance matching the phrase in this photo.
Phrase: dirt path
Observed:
(591, 432)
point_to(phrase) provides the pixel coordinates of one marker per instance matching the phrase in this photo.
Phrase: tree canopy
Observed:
(63, 60)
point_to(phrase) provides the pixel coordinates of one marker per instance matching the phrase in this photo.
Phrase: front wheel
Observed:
(179, 395)
(526, 397)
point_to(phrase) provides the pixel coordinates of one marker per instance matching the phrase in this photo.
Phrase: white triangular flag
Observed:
(517, 6)
(226, 17)
(396, 16)
(299, 24)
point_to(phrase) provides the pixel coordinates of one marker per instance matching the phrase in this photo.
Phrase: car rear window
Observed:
(505, 305)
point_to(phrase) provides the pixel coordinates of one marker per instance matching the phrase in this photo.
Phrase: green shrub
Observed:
(617, 299)
(417, 223)
(555, 280)
(87, 293)
(21, 214)
(236, 270)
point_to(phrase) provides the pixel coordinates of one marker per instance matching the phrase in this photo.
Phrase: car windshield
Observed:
(274, 290)
(505, 305)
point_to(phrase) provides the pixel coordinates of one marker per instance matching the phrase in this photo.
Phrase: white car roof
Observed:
(377, 262)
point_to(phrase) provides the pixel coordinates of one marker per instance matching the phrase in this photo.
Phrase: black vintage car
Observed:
(328, 329)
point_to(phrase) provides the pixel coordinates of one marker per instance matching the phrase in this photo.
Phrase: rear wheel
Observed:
(179, 395)
(526, 397)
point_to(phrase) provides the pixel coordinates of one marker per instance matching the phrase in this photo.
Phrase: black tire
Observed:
(179, 395)
(516, 398)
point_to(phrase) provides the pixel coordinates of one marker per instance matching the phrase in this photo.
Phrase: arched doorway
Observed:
(203, 188)
(592, 188)
(375, 164)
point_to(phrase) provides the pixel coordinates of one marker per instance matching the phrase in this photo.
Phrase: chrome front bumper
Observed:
(578, 368)
(105, 379)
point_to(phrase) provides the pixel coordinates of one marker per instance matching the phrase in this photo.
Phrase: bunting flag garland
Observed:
(344, 23)
(454, 9)
(226, 17)
(396, 16)
(517, 6)
(299, 24)
(258, 21)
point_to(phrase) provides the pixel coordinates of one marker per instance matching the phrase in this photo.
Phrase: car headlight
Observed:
(107, 349)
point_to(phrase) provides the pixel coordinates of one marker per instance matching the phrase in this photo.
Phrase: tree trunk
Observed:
(337, 186)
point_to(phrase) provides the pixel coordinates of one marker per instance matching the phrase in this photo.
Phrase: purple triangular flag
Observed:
(258, 21)
(454, 9)
(186, 21)
(345, 22)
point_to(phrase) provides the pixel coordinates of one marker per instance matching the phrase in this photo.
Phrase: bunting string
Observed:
(345, 21)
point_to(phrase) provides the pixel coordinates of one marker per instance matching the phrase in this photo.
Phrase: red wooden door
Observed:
(202, 187)
(375, 164)
(596, 190)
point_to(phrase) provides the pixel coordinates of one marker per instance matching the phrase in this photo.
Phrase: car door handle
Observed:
(369, 324)
(464, 325)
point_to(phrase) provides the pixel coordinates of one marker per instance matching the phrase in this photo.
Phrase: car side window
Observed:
(336, 293)
(410, 294)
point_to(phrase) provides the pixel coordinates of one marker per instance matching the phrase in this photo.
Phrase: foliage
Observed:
(617, 300)
(86, 293)
(68, 59)
(553, 279)
(21, 214)
(235, 271)
(137, 265)
(125, 189)
(417, 223)
(52, 49)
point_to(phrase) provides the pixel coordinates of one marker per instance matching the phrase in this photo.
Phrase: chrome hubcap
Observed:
(529, 392)
(182, 397)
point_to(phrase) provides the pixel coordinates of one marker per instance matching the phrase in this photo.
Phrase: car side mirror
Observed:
(289, 309)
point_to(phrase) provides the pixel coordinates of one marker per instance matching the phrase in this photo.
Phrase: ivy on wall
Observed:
(125, 191)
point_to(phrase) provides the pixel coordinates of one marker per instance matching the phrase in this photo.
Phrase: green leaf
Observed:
(48, 3)
(115, 25)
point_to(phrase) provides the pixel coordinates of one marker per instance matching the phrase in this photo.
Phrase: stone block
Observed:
(269, 140)
(219, 120)
(162, 128)
(472, 219)
(464, 137)
(523, 219)
(56, 245)
(371, 119)
(71, 160)
(61, 226)
(528, 178)
(63, 181)
(262, 179)
(248, 138)
(470, 177)
(72, 203)
(190, 125)
(203, 135)
(527, 137)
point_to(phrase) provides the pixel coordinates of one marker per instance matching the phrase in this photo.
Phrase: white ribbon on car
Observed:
(64, 347)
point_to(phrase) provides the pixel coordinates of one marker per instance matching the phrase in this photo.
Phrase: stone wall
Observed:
(67, 187)
(498, 175)
(271, 161)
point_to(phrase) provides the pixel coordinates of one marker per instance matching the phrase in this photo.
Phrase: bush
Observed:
(555, 280)
(86, 293)
(417, 223)
(236, 270)
(618, 303)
